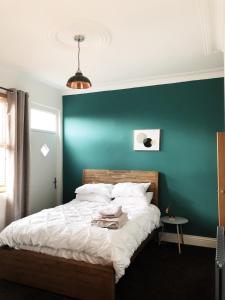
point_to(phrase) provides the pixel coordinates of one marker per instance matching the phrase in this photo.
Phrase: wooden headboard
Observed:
(116, 176)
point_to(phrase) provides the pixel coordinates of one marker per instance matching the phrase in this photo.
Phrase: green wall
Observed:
(98, 130)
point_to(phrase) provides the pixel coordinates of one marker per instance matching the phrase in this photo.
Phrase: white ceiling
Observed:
(127, 41)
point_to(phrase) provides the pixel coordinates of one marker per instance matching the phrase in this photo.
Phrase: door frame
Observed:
(59, 146)
(220, 177)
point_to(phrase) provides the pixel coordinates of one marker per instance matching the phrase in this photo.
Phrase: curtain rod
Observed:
(8, 90)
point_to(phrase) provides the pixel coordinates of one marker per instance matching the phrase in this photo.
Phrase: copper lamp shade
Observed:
(78, 81)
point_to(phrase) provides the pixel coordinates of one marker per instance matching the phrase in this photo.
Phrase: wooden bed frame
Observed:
(66, 276)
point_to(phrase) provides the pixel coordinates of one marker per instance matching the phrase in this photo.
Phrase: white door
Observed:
(44, 142)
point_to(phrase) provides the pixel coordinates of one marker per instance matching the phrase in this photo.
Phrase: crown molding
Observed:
(211, 21)
(220, 23)
(204, 18)
(156, 80)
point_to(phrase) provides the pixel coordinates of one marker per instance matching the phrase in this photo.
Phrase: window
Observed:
(43, 120)
(3, 143)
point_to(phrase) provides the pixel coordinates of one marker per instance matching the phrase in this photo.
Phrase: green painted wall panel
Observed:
(98, 133)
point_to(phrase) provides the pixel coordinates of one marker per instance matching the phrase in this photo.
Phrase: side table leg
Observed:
(182, 236)
(178, 239)
(160, 235)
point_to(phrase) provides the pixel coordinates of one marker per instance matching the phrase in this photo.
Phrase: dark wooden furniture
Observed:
(66, 276)
(221, 177)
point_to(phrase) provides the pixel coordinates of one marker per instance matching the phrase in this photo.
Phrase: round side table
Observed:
(178, 221)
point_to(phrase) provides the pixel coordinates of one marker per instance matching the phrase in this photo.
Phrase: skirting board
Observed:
(189, 239)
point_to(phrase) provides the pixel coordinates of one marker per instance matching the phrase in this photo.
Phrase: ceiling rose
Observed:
(97, 35)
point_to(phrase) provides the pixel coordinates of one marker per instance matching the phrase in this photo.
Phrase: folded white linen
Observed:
(111, 211)
(111, 223)
(96, 188)
(93, 198)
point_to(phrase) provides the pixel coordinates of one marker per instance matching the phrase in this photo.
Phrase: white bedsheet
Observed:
(66, 231)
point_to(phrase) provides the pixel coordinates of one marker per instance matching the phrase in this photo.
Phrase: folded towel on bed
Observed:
(111, 211)
(110, 223)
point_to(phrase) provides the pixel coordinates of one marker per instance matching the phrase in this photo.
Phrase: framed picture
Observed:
(146, 139)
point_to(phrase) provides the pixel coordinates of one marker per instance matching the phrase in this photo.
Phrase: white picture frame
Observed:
(146, 140)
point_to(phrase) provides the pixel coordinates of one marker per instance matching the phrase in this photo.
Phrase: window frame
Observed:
(44, 110)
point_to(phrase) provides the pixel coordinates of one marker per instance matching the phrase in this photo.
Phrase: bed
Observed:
(70, 277)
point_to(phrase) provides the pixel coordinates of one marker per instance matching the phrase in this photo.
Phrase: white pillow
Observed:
(130, 189)
(149, 197)
(135, 202)
(146, 198)
(93, 198)
(96, 188)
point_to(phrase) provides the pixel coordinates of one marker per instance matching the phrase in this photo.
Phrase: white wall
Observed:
(40, 93)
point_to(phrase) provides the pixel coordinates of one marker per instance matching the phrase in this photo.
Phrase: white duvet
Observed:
(66, 231)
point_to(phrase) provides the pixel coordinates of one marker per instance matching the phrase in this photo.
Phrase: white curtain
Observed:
(18, 155)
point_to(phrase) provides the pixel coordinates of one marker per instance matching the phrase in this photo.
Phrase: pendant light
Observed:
(78, 81)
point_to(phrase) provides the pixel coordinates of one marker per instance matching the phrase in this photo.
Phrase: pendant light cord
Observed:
(78, 56)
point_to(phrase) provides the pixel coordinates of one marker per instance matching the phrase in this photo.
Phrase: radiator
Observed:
(220, 265)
